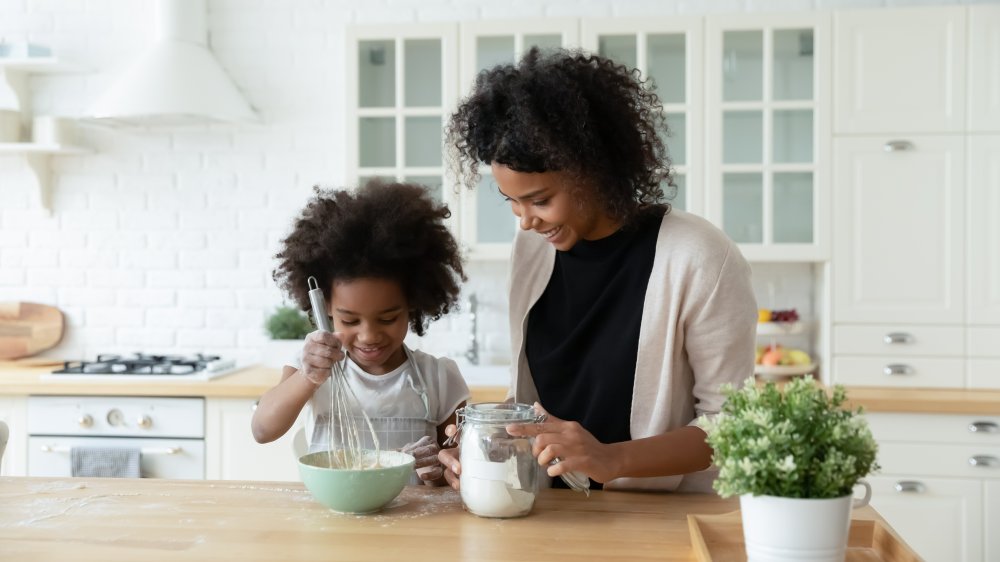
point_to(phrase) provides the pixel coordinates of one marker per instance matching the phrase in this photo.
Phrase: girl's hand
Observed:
(425, 452)
(575, 448)
(320, 351)
(449, 458)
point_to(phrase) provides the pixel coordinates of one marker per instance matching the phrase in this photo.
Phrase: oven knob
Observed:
(115, 417)
(85, 420)
(145, 422)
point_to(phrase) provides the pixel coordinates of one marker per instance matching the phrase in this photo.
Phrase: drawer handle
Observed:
(897, 146)
(145, 450)
(253, 407)
(910, 487)
(983, 427)
(897, 337)
(989, 461)
(898, 369)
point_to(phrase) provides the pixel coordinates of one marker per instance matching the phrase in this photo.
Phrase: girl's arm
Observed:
(279, 407)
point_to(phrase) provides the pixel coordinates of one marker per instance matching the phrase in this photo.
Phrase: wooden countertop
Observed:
(104, 519)
(24, 378)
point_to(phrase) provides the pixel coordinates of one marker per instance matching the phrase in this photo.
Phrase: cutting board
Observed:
(27, 328)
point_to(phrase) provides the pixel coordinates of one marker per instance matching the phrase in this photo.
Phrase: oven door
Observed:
(160, 458)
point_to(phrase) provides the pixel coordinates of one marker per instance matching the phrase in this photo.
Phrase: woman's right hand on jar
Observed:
(449, 458)
(320, 351)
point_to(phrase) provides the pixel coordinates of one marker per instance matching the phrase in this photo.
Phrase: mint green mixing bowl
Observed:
(356, 491)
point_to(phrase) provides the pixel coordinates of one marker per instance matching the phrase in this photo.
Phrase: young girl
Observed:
(385, 262)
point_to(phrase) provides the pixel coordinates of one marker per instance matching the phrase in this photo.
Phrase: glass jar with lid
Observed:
(499, 473)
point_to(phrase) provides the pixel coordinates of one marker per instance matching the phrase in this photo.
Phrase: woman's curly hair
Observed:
(567, 111)
(383, 230)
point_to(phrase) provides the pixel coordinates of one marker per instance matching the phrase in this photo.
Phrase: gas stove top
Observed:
(141, 366)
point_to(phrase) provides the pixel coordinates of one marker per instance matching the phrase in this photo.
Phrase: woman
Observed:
(625, 315)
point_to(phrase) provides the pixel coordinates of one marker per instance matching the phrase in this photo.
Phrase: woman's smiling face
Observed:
(546, 205)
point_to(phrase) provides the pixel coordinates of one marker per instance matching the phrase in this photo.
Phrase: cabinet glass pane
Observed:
(432, 183)
(491, 51)
(423, 141)
(742, 207)
(677, 141)
(376, 73)
(362, 180)
(495, 223)
(793, 64)
(422, 82)
(793, 208)
(793, 135)
(677, 197)
(542, 41)
(741, 137)
(377, 141)
(742, 65)
(619, 48)
(666, 59)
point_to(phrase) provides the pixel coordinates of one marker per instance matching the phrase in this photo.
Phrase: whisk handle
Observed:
(318, 303)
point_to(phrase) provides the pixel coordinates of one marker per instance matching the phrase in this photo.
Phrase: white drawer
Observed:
(983, 373)
(921, 372)
(901, 340)
(984, 342)
(935, 428)
(940, 460)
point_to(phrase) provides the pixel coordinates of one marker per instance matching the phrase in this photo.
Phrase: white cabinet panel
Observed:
(14, 412)
(937, 459)
(983, 373)
(232, 452)
(898, 340)
(983, 227)
(899, 216)
(901, 372)
(984, 68)
(939, 517)
(900, 70)
(991, 519)
(935, 428)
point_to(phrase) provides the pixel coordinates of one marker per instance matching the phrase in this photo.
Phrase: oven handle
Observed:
(145, 450)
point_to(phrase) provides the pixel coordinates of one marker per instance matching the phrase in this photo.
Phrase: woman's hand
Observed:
(575, 448)
(425, 453)
(320, 351)
(449, 458)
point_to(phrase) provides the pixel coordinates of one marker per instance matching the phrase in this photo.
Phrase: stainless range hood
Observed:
(176, 81)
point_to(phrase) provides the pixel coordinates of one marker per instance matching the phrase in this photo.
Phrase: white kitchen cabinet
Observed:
(929, 490)
(984, 68)
(767, 133)
(14, 76)
(899, 211)
(901, 70)
(668, 51)
(14, 412)
(486, 223)
(991, 519)
(983, 227)
(233, 454)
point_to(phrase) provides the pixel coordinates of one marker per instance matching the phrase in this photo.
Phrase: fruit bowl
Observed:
(356, 491)
(771, 372)
(780, 328)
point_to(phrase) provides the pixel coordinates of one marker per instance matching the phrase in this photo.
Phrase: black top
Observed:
(583, 333)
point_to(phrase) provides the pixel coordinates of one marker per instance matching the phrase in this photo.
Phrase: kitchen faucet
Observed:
(472, 353)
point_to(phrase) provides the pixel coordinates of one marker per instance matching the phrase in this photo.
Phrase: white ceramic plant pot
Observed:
(278, 353)
(796, 529)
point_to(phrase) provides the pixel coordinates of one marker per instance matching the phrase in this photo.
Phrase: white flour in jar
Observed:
(492, 489)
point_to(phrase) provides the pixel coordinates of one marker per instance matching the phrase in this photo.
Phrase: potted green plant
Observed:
(286, 327)
(794, 456)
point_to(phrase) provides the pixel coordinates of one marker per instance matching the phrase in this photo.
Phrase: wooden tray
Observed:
(719, 538)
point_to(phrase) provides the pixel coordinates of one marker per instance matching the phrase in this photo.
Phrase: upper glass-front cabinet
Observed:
(768, 123)
(668, 52)
(405, 88)
(486, 221)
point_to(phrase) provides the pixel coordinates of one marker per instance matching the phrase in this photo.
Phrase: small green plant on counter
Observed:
(799, 443)
(287, 323)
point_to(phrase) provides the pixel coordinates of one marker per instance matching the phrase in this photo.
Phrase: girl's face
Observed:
(545, 205)
(372, 316)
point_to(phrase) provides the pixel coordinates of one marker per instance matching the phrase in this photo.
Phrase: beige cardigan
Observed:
(698, 331)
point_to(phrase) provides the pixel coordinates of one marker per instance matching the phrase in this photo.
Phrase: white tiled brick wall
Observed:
(163, 241)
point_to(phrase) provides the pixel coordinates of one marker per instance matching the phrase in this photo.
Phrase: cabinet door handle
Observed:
(910, 487)
(983, 427)
(897, 337)
(253, 407)
(989, 461)
(897, 146)
(898, 369)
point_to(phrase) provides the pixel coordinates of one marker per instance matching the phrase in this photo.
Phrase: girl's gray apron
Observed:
(393, 433)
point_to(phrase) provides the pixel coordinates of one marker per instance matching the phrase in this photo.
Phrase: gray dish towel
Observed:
(110, 462)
